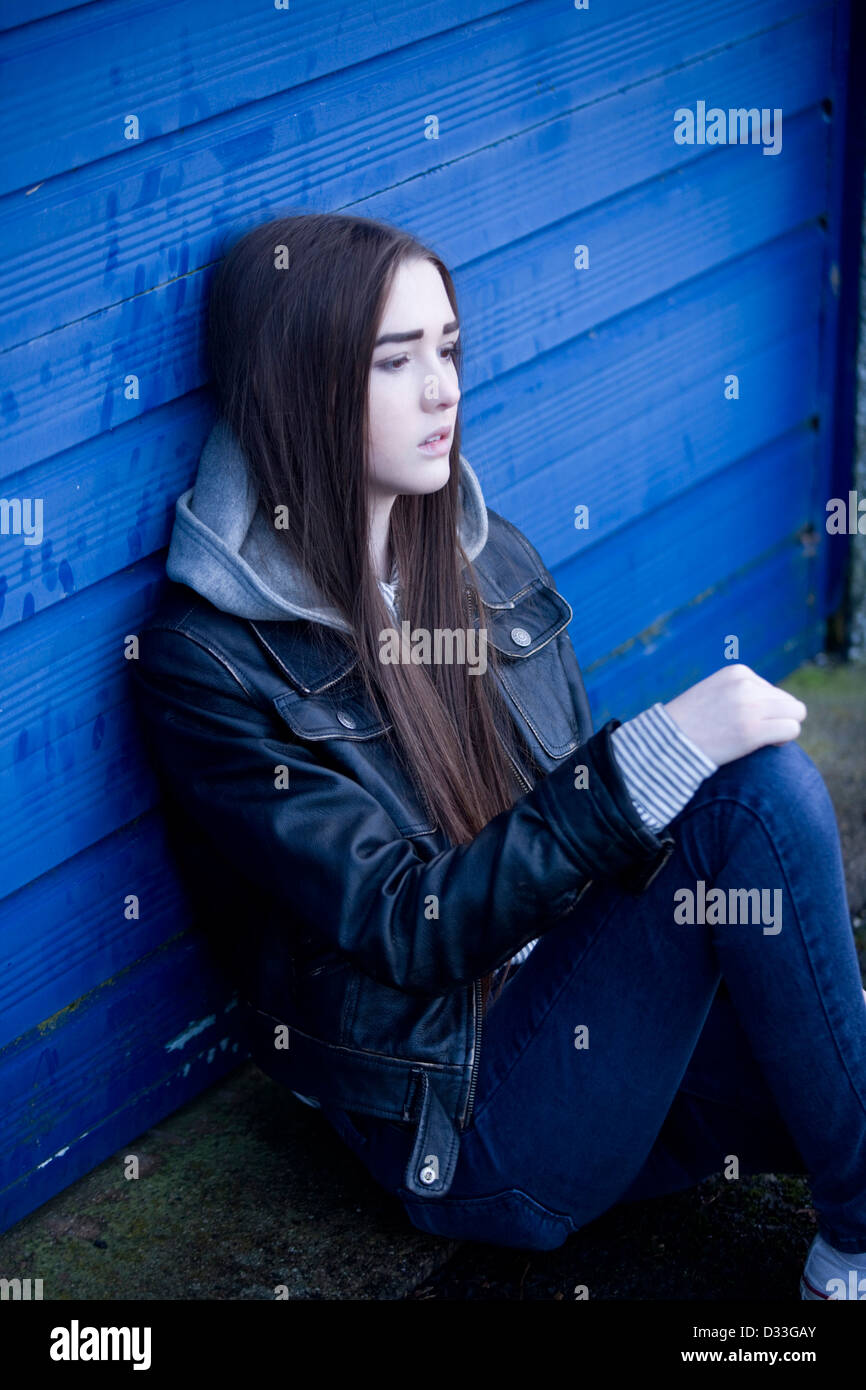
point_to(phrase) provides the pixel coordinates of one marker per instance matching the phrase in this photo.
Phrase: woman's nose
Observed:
(446, 393)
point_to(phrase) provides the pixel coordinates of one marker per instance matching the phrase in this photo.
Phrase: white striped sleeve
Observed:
(661, 767)
(520, 956)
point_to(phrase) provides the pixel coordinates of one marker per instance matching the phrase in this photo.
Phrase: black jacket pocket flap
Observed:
(529, 620)
(341, 712)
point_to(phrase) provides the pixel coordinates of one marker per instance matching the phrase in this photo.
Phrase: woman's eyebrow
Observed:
(416, 333)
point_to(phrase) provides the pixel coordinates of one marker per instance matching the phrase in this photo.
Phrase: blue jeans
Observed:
(635, 1053)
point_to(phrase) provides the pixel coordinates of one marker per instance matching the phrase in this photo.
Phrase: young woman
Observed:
(527, 970)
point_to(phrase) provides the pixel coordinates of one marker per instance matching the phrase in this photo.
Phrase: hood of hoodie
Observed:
(224, 545)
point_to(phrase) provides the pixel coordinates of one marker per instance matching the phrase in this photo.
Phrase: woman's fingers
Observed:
(776, 730)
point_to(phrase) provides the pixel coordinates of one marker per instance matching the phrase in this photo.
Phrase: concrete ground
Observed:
(245, 1189)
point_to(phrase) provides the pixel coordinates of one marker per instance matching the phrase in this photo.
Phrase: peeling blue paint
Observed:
(194, 1029)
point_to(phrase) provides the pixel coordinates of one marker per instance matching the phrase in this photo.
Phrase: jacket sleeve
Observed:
(326, 849)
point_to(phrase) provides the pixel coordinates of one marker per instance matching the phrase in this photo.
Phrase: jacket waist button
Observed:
(430, 1172)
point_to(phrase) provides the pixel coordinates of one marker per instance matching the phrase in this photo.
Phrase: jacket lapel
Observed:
(311, 660)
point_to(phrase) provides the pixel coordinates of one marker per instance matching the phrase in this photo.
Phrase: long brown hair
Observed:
(290, 353)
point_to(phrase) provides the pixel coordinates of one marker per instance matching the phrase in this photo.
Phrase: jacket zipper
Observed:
(527, 784)
(473, 1081)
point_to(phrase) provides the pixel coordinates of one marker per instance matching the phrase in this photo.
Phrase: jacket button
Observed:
(345, 719)
(520, 636)
(430, 1172)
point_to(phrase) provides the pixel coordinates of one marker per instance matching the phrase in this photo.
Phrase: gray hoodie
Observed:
(224, 545)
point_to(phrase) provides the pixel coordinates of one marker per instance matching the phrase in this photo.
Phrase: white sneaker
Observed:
(832, 1274)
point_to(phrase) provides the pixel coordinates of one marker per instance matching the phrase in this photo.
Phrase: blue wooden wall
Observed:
(601, 386)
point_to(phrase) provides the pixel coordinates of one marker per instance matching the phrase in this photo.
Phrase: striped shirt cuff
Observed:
(661, 767)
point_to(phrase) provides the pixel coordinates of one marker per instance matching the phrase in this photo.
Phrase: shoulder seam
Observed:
(206, 645)
(529, 550)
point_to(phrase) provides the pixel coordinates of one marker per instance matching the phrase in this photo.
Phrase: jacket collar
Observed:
(225, 548)
(518, 623)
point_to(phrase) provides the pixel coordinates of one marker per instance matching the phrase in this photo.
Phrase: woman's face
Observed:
(413, 387)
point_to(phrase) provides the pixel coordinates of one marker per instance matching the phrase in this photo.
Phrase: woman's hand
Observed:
(734, 711)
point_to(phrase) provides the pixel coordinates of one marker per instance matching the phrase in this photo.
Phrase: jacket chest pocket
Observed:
(538, 672)
(353, 738)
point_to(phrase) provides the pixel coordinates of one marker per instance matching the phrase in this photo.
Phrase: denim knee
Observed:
(782, 779)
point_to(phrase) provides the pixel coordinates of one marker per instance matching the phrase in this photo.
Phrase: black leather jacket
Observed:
(356, 932)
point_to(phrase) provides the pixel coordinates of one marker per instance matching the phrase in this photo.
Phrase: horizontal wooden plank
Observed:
(68, 931)
(660, 456)
(105, 505)
(618, 410)
(16, 13)
(629, 581)
(147, 59)
(72, 758)
(767, 606)
(67, 665)
(175, 65)
(560, 155)
(99, 1073)
(762, 508)
(529, 300)
(81, 788)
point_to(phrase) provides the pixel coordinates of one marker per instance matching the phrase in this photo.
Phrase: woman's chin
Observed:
(430, 475)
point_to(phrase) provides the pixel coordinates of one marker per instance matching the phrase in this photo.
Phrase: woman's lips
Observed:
(438, 447)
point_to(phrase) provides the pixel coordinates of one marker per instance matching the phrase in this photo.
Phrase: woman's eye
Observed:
(395, 363)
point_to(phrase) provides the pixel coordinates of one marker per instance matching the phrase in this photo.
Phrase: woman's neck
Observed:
(380, 536)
